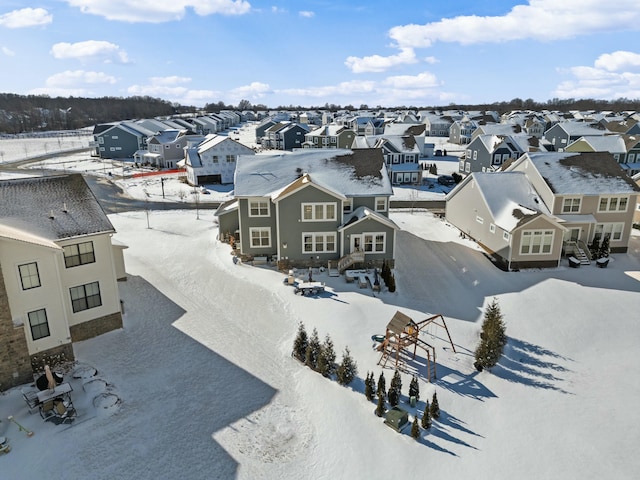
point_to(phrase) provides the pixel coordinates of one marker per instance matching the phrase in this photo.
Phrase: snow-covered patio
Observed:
(207, 387)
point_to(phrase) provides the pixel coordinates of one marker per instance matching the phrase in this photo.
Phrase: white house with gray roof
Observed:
(58, 273)
(311, 207)
(213, 160)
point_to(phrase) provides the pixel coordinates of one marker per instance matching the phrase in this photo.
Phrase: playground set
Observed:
(403, 337)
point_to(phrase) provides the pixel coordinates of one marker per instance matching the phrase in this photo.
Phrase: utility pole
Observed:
(162, 179)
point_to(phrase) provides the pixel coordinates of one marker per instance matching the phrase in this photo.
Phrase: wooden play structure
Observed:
(403, 333)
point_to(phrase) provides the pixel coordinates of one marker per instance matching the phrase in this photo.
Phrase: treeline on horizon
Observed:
(34, 113)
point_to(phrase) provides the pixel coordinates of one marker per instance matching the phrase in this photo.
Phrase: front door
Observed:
(355, 243)
(573, 235)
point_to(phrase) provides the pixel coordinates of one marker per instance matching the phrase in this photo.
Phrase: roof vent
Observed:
(51, 216)
(64, 207)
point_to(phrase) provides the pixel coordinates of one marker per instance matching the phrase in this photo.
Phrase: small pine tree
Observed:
(300, 343)
(414, 388)
(426, 418)
(415, 428)
(369, 387)
(381, 407)
(492, 338)
(327, 358)
(395, 389)
(604, 248)
(347, 370)
(595, 246)
(312, 352)
(382, 385)
(391, 284)
(434, 409)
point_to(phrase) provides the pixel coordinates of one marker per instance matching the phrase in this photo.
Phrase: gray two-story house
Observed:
(312, 207)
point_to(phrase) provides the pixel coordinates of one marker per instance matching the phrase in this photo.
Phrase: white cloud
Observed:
(8, 52)
(158, 11)
(540, 20)
(90, 49)
(79, 78)
(26, 17)
(169, 81)
(353, 87)
(420, 81)
(253, 91)
(378, 63)
(617, 61)
(431, 60)
(175, 89)
(306, 14)
(602, 80)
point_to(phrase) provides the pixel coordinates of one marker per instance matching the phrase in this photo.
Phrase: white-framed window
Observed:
(613, 230)
(318, 212)
(461, 165)
(100, 140)
(496, 159)
(29, 275)
(468, 153)
(260, 237)
(492, 228)
(231, 158)
(38, 324)
(167, 147)
(259, 208)
(536, 242)
(467, 167)
(319, 242)
(613, 204)
(334, 140)
(475, 154)
(114, 137)
(347, 205)
(381, 204)
(571, 205)
(84, 297)
(479, 219)
(374, 242)
(78, 254)
(506, 236)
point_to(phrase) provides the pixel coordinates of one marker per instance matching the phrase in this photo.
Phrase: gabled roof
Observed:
(509, 196)
(131, 128)
(52, 207)
(363, 213)
(213, 140)
(603, 143)
(359, 172)
(167, 136)
(590, 173)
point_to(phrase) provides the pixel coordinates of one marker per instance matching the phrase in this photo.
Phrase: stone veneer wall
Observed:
(96, 327)
(15, 364)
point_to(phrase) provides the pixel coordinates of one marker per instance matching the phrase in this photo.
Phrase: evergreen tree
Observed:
(492, 338)
(347, 370)
(300, 343)
(415, 428)
(604, 248)
(369, 387)
(312, 352)
(414, 388)
(395, 389)
(434, 409)
(391, 284)
(327, 358)
(382, 385)
(381, 407)
(426, 418)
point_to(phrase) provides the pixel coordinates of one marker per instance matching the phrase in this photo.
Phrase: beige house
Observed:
(58, 273)
(544, 206)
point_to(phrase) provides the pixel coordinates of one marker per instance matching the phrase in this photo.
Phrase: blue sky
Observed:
(314, 52)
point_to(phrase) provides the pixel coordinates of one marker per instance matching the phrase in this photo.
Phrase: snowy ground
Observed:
(200, 382)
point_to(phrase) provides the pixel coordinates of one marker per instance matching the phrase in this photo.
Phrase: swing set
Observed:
(403, 333)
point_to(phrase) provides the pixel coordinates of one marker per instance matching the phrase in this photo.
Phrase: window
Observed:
(475, 154)
(258, 208)
(114, 137)
(492, 228)
(319, 242)
(231, 158)
(536, 242)
(260, 237)
(29, 275)
(167, 147)
(613, 204)
(39, 324)
(347, 205)
(613, 230)
(479, 219)
(101, 140)
(85, 297)
(571, 205)
(78, 254)
(374, 242)
(317, 212)
(381, 204)
(505, 236)
(214, 159)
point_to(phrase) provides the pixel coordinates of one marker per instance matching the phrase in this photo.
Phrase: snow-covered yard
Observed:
(200, 382)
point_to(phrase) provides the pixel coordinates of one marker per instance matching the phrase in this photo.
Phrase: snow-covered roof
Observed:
(52, 207)
(351, 173)
(590, 173)
(604, 143)
(362, 213)
(509, 196)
